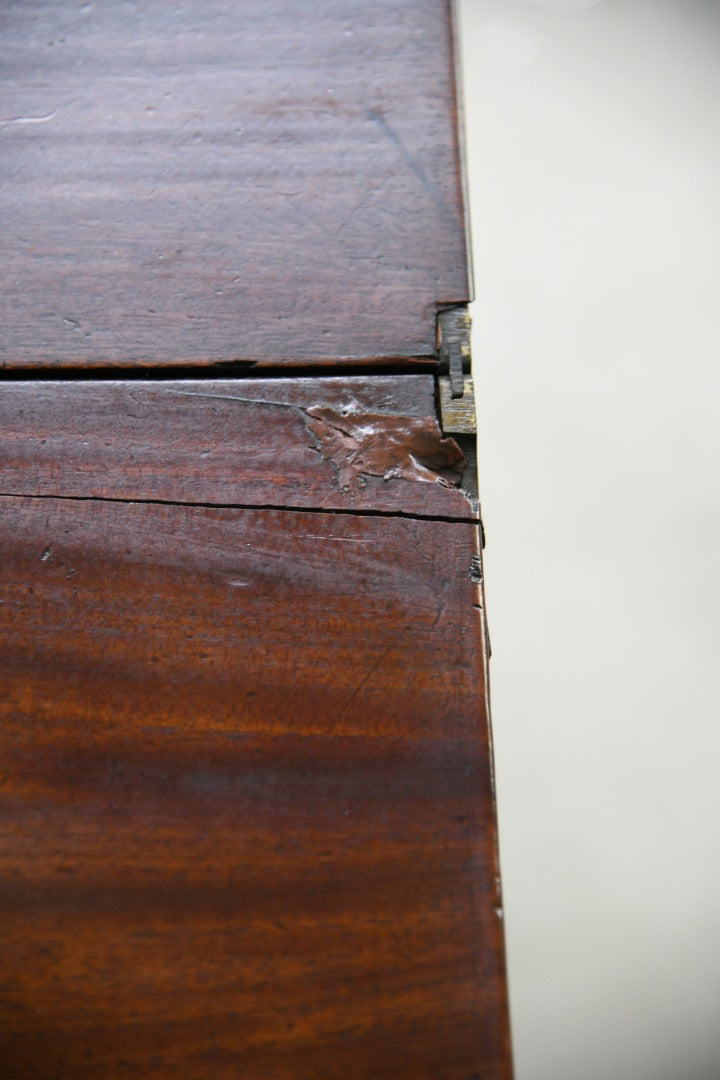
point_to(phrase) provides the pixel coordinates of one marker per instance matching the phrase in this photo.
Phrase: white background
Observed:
(593, 135)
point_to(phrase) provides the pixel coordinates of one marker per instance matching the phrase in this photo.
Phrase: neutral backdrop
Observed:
(593, 132)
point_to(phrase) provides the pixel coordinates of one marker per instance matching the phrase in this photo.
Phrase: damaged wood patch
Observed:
(357, 443)
(361, 444)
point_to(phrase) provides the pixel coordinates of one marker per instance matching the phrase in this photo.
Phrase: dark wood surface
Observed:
(247, 819)
(369, 443)
(246, 811)
(266, 181)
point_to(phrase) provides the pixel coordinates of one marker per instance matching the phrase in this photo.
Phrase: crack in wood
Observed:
(449, 519)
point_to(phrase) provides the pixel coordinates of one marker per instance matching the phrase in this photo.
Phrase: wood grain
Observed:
(247, 822)
(272, 181)
(246, 811)
(369, 443)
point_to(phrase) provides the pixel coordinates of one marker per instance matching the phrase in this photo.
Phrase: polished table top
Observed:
(198, 183)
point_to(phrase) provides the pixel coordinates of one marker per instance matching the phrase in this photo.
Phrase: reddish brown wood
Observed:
(369, 443)
(266, 181)
(247, 823)
(246, 814)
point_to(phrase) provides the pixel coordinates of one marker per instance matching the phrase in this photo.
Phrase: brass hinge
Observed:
(457, 396)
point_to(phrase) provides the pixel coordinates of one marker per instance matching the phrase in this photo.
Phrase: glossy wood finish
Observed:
(247, 821)
(246, 809)
(369, 443)
(267, 181)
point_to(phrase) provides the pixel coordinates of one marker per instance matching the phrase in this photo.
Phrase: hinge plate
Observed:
(453, 346)
(457, 400)
(457, 414)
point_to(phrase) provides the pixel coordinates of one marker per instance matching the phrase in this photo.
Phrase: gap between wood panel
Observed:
(214, 369)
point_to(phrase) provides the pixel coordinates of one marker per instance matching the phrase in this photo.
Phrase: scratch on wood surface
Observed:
(235, 397)
(28, 119)
(365, 679)
(338, 539)
(415, 167)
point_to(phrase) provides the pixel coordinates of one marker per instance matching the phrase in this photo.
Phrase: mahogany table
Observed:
(247, 823)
